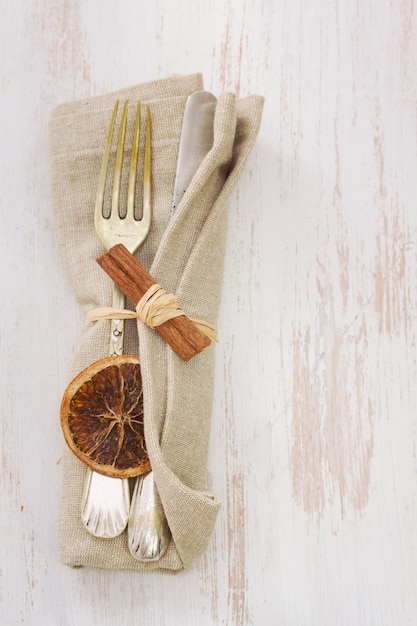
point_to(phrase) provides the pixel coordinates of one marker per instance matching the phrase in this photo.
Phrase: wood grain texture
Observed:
(313, 445)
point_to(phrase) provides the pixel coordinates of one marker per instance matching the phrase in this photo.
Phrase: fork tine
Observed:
(133, 165)
(104, 165)
(119, 163)
(147, 199)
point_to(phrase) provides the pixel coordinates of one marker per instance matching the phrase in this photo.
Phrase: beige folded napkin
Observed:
(185, 254)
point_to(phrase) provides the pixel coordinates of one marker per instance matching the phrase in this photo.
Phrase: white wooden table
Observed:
(314, 437)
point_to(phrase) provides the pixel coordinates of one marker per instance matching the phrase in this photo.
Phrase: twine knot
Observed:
(156, 307)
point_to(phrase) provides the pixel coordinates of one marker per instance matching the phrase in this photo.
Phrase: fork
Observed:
(106, 500)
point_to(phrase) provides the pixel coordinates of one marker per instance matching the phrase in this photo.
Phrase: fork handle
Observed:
(106, 500)
(117, 329)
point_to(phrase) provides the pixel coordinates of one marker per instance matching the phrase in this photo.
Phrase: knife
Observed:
(148, 532)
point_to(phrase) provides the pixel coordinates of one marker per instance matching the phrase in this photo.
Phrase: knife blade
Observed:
(195, 142)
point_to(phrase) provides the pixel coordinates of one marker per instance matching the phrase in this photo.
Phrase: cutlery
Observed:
(148, 531)
(105, 506)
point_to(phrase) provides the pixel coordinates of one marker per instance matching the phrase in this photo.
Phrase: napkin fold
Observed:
(185, 254)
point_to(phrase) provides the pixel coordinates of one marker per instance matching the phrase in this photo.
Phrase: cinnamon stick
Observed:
(134, 281)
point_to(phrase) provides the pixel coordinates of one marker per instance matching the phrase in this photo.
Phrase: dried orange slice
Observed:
(102, 417)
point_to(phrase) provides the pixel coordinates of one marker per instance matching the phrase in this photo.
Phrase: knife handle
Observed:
(148, 531)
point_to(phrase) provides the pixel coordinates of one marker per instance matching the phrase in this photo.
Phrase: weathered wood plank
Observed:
(314, 437)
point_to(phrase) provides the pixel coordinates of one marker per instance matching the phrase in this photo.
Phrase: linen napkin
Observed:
(185, 254)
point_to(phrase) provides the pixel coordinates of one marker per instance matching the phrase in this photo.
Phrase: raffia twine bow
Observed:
(156, 307)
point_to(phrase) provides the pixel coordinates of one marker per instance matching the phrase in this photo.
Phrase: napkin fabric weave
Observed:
(185, 254)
